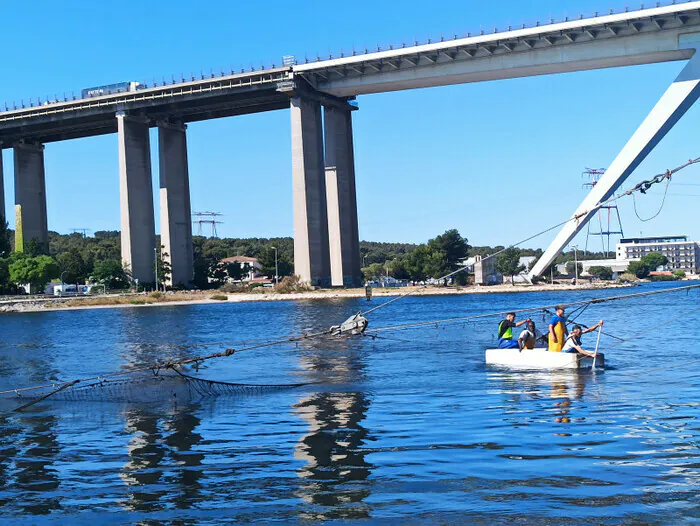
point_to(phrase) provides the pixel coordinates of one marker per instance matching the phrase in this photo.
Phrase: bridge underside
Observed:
(187, 109)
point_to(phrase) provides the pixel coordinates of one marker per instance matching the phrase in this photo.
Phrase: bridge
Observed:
(321, 98)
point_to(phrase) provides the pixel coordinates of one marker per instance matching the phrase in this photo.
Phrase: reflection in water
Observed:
(333, 456)
(332, 448)
(161, 462)
(28, 452)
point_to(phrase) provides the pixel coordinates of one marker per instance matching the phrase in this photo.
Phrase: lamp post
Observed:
(155, 260)
(62, 285)
(277, 273)
(575, 264)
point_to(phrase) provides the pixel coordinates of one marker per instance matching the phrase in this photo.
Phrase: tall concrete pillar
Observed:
(311, 257)
(30, 197)
(175, 210)
(344, 240)
(2, 189)
(136, 194)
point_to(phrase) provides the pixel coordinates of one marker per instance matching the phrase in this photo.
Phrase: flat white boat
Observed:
(542, 359)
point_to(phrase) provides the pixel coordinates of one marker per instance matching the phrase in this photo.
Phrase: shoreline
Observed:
(177, 299)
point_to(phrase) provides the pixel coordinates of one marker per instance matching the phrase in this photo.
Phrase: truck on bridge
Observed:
(120, 87)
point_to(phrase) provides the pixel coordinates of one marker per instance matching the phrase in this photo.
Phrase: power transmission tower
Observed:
(208, 219)
(608, 215)
(83, 231)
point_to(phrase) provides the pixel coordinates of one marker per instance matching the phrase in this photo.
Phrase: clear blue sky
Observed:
(497, 160)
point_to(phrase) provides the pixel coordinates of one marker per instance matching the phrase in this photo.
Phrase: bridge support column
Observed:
(679, 97)
(311, 256)
(30, 198)
(344, 241)
(175, 210)
(3, 216)
(138, 236)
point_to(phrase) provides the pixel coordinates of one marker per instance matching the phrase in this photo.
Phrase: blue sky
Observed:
(498, 160)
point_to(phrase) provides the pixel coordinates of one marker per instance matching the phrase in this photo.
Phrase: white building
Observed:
(681, 253)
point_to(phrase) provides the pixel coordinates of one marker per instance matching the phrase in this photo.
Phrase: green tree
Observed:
(37, 271)
(5, 243)
(453, 246)
(573, 268)
(374, 271)
(639, 269)
(680, 274)
(163, 268)
(602, 273)
(4, 275)
(266, 258)
(237, 271)
(508, 263)
(654, 260)
(111, 274)
(72, 266)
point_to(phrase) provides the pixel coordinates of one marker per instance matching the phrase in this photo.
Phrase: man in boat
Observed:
(557, 329)
(505, 332)
(530, 336)
(573, 342)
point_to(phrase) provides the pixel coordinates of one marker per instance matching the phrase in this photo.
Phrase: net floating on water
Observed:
(150, 387)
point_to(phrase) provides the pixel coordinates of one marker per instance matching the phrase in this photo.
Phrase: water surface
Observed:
(408, 427)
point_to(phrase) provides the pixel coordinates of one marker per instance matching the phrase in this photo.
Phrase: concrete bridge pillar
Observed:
(30, 197)
(138, 236)
(175, 210)
(344, 240)
(2, 189)
(311, 256)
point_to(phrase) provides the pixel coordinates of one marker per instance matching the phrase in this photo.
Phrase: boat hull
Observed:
(541, 359)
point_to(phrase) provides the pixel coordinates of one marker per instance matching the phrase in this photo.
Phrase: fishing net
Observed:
(148, 387)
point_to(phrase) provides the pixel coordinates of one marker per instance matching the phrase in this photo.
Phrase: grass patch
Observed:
(219, 297)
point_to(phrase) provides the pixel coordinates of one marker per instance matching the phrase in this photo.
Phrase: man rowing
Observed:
(573, 342)
(505, 332)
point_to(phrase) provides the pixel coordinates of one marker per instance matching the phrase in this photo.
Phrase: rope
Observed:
(532, 309)
(661, 207)
(641, 187)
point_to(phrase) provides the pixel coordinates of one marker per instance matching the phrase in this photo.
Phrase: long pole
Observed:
(576, 265)
(277, 272)
(597, 343)
(155, 260)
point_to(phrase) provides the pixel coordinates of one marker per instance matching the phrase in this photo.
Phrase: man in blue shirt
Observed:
(505, 332)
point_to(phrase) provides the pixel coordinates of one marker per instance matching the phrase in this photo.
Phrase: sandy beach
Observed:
(34, 304)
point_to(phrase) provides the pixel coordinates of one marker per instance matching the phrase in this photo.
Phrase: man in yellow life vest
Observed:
(557, 329)
(505, 332)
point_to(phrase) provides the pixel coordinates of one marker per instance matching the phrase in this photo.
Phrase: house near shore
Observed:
(254, 267)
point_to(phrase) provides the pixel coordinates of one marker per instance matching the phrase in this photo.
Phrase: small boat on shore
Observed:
(542, 359)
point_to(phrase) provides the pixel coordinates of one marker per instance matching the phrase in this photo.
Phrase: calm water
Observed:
(413, 428)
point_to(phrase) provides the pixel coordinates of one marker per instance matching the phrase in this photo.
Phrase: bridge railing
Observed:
(621, 6)
(154, 93)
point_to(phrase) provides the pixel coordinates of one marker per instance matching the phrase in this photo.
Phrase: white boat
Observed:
(542, 359)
